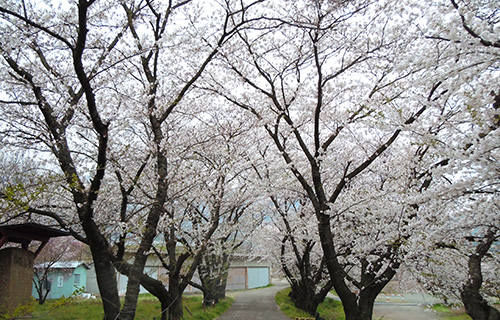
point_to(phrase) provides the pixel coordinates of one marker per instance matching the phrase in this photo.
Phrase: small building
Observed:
(16, 263)
(63, 278)
(247, 273)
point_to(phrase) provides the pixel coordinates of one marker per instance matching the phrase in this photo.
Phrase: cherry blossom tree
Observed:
(88, 86)
(300, 255)
(328, 138)
(237, 225)
(206, 200)
(335, 86)
(233, 196)
(36, 59)
(376, 110)
(459, 162)
(462, 220)
(213, 270)
(288, 236)
(461, 234)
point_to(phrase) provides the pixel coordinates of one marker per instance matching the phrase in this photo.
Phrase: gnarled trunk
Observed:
(309, 290)
(305, 298)
(213, 271)
(356, 306)
(175, 290)
(475, 305)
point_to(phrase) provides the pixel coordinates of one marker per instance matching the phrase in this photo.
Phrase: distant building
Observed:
(63, 278)
(244, 273)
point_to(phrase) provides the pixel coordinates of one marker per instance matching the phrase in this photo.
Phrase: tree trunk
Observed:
(133, 288)
(156, 288)
(304, 298)
(105, 271)
(362, 310)
(337, 273)
(153, 286)
(475, 305)
(44, 297)
(213, 273)
(174, 287)
(355, 307)
(140, 257)
(175, 310)
(42, 286)
(366, 301)
(108, 287)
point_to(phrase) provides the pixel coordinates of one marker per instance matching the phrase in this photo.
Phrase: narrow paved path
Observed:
(413, 307)
(394, 311)
(257, 304)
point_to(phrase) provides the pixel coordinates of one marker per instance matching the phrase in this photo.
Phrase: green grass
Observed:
(147, 308)
(450, 312)
(195, 305)
(330, 309)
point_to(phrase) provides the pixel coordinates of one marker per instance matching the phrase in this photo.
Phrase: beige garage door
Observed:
(236, 279)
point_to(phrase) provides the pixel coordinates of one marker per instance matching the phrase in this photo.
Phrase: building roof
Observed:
(62, 265)
(26, 232)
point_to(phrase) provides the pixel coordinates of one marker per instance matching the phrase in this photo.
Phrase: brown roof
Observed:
(26, 232)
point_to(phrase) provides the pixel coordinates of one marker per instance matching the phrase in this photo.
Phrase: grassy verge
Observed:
(330, 309)
(195, 305)
(450, 312)
(147, 308)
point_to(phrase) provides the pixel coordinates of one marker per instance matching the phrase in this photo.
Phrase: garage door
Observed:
(258, 277)
(236, 279)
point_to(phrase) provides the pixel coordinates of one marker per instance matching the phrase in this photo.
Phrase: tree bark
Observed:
(305, 298)
(106, 282)
(367, 300)
(356, 306)
(175, 290)
(475, 305)
(133, 288)
(307, 291)
(213, 273)
(105, 271)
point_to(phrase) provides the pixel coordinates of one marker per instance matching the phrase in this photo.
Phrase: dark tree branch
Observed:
(37, 26)
(469, 30)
